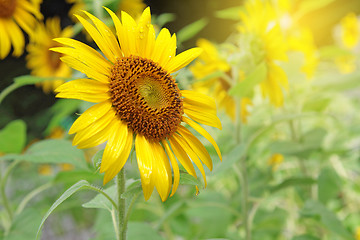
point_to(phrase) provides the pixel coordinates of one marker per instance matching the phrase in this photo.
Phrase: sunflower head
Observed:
(14, 16)
(138, 102)
(41, 60)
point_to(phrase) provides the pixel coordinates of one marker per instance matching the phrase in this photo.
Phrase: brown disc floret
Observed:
(145, 97)
(7, 8)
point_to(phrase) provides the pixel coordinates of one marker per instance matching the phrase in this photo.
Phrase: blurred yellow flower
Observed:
(210, 62)
(357, 233)
(267, 45)
(42, 61)
(302, 40)
(137, 100)
(16, 14)
(133, 7)
(346, 63)
(66, 167)
(45, 170)
(275, 160)
(350, 30)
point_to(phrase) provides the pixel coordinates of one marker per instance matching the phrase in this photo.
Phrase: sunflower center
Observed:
(7, 8)
(54, 59)
(145, 97)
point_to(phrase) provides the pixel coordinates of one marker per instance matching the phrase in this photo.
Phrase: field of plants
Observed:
(120, 119)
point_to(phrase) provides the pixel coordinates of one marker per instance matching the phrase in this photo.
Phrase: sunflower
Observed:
(350, 30)
(138, 101)
(265, 41)
(133, 7)
(210, 62)
(16, 14)
(41, 60)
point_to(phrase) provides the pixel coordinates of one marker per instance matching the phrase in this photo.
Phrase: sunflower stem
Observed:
(243, 171)
(120, 183)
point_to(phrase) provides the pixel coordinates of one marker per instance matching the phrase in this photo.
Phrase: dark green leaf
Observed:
(24, 225)
(191, 30)
(96, 159)
(291, 182)
(54, 151)
(305, 237)
(232, 13)
(230, 159)
(243, 88)
(141, 231)
(13, 137)
(68, 193)
(100, 201)
(187, 179)
(133, 187)
(329, 184)
(329, 219)
(164, 18)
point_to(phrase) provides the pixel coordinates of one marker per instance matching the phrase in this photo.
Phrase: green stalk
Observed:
(8, 90)
(120, 184)
(4, 198)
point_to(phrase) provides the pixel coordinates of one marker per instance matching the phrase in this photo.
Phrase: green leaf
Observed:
(333, 51)
(305, 237)
(60, 110)
(100, 201)
(243, 88)
(291, 182)
(13, 137)
(53, 151)
(191, 30)
(187, 179)
(23, 225)
(68, 193)
(329, 219)
(133, 187)
(232, 13)
(230, 158)
(164, 18)
(29, 80)
(329, 184)
(141, 231)
(96, 159)
(73, 176)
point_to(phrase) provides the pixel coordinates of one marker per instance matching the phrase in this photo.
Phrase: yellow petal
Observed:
(182, 156)
(94, 128)
(162, 173)
(128, 32)
(198, 99)
(206, 118)
(107, 35)
(196, 146)
(83, 57)
(78, 65)
(143, 27)
(160, 45)
(120, 33)
(98, 39)
(182, 59)
(145, 159)
(16, 37)
(87, 51)
(150, 43)
(83, 86)
(174, 165)
(89, 116)
(117, 151)
(184, 145)
(4, 40)
(98, 138)
(203, 132)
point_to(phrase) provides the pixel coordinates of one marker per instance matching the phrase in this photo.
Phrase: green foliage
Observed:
(329, 219)
(13, 137)
(191, 30)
